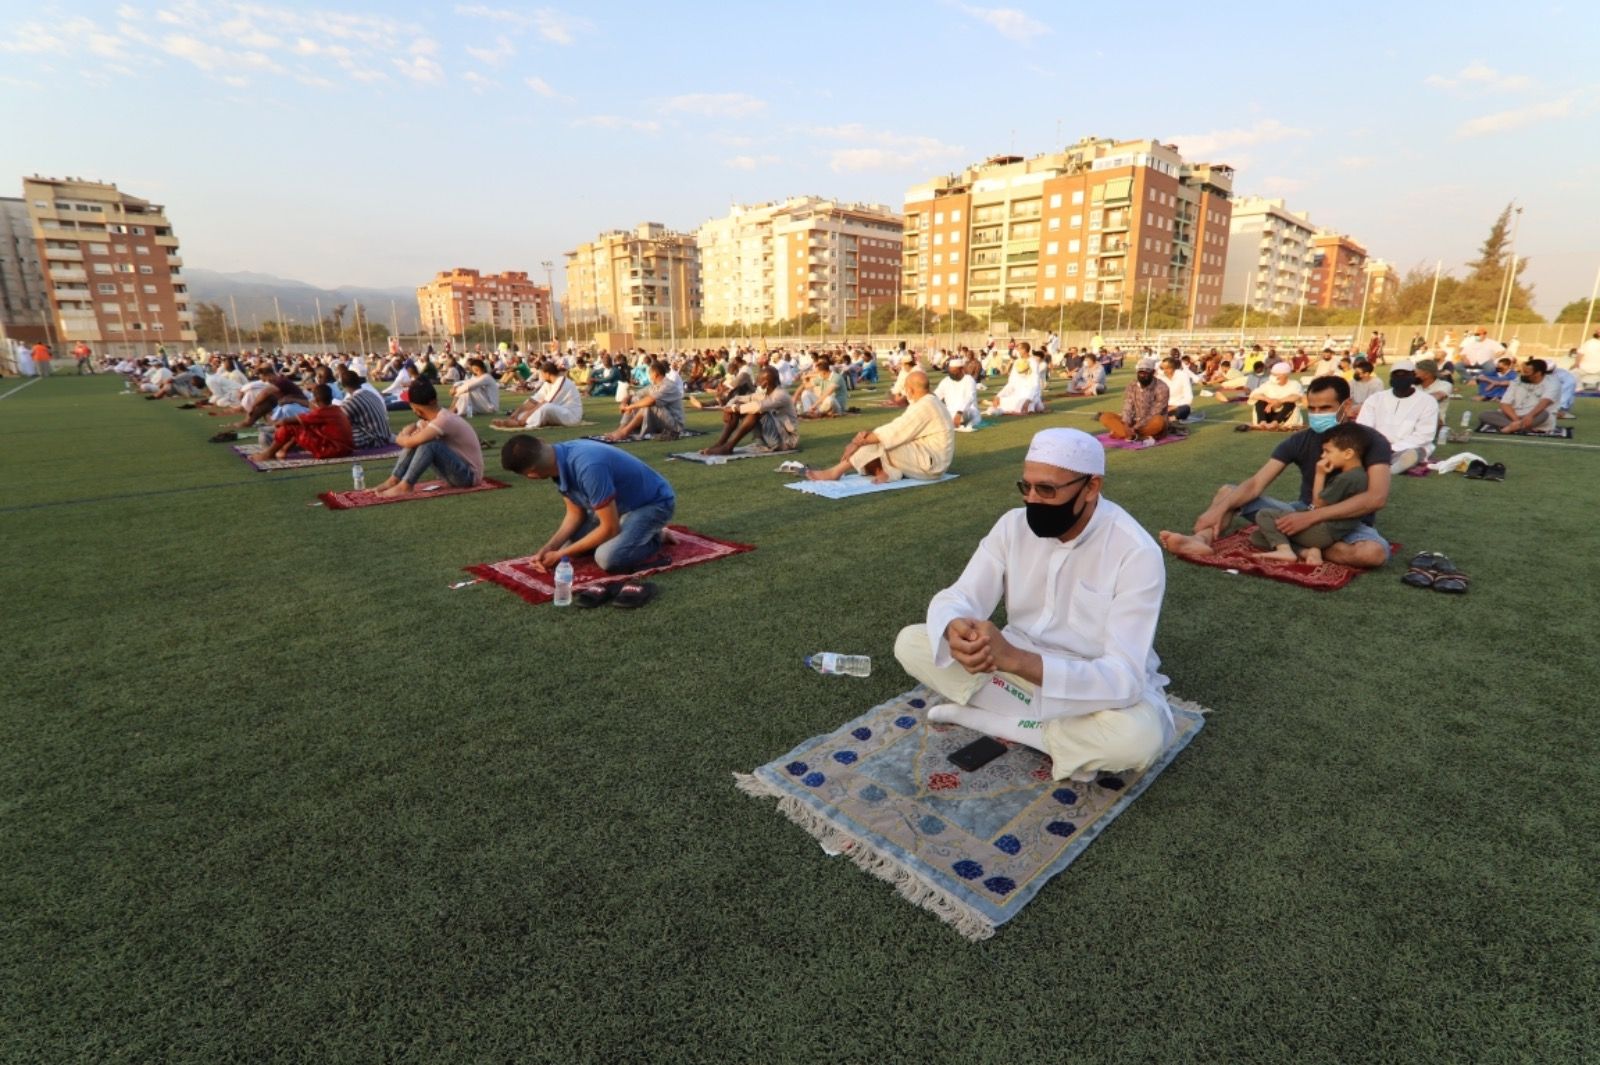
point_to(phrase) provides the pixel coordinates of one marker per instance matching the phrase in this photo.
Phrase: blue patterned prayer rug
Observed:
(971, 847)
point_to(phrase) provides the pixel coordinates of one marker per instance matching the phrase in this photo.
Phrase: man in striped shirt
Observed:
(369, 417)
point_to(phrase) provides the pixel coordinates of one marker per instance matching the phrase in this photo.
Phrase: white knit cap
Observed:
(1280, 367)
(1068, 449)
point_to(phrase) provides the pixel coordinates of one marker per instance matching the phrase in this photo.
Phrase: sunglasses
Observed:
(1046, 490)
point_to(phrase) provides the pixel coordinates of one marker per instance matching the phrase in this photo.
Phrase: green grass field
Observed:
(270, 791)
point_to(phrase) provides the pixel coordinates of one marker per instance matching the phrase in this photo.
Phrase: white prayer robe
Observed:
(1088, 608)
(1023, 392)
(959, 397)
(560, 404)
(1407, 424)
(920, 443)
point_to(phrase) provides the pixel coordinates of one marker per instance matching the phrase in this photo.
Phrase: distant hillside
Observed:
(253, 293)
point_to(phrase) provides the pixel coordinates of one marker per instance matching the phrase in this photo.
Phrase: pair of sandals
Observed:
(1436, 571)
(630, 595)
(1479, 470)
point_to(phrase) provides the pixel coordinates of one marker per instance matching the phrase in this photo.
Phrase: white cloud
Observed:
(1281, 186)
(540, 86)
(1517, 118)
(751, 162)
(1479, 75)
(1357, 162)
(1266, 131)
(420, 68)
(637, 125)
(557, 27)
(1008, 22)
(478, 82)
(503, 49)
(881, 150)
(714, 104)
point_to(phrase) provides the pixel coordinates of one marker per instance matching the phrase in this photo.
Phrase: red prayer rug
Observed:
(369, 497)
(1235, 552)
(1138, 445)
(520, 577)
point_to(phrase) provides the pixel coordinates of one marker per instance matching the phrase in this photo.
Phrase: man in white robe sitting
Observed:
(920, 443)
(959, 393)
(1074, 673)
(556, 401)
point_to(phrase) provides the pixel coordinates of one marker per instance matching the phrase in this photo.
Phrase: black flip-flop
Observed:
(1496, 472)
(224, 437)
(596, 595)
(634, 594)
(1448, 579)
(1424, 570)
(1476, 469)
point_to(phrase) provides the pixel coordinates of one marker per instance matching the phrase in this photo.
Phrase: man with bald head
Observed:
(1074, 673)
(919, 444)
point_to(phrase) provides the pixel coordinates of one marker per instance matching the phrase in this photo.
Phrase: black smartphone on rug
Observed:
(979, 753)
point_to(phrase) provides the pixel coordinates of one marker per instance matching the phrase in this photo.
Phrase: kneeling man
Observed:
(617, 507)
(920, 443)
(1073, 673)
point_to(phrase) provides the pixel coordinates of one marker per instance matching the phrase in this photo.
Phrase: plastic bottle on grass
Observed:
(358, 477)
(830, 664)
(563, 583)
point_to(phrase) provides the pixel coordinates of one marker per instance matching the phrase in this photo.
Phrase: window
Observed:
(127, 288)
(110, 308)
(113, 327)
(955, 216)
(934, 299)
(955, 238)
(1152, 195)
(1055, 224)
(1077, 222)
(153, 308)
(938, 258)
(951, 279)
(1070, 293)
(1074, 247)
(97, 249)
(1049, 269)
(102, 268)
(141, 249)
(151, 289)
(145, 269)
(107, 290)
(1072, 269)
(938, 218)
(1050, 295)
(1052, 247)
(1077, 197)
(1096, 216)
(955, 257)
(938, 238)
(120, 249)
(138, 231)
(1055, 199)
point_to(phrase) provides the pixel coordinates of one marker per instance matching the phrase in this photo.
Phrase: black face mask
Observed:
(1050, 521)
(1402, 384)
(1527, 379)
(1145, 378)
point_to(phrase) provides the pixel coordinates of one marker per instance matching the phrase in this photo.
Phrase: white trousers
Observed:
(553, 415)
(1005, 705)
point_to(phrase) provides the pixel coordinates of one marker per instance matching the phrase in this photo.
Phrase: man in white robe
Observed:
(959, 394)
(1074, 673)
(556, 401)
(920, 443)
(1024, 391)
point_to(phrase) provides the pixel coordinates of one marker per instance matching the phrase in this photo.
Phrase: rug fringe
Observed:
(1192, 707)
(911, 887)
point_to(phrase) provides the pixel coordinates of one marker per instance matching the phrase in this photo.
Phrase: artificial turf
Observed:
(270, 790)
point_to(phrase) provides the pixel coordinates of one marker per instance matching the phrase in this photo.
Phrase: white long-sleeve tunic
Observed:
(1088, 608)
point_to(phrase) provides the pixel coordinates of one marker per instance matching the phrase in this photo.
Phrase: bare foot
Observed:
(668, 537)
(717, 449)
(399, 488)
(1277, 554)
(1179, 544)
(822, 475)
(1312, 556)
(880, 477)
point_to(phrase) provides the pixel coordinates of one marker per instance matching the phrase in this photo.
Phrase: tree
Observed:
(210, 324)
(1575, 311)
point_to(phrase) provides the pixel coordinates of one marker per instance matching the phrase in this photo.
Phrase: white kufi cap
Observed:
(1069, 449)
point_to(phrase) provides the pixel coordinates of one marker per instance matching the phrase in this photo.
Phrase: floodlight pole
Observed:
(1427, 330)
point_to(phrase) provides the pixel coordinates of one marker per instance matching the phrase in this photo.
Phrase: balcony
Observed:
(1114, 249)
(174, 260)
(1115, 223)
(986, 236)
(68, 274)
(64, 255)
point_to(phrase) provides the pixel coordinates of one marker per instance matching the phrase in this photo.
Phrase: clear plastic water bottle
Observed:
(1466, 419)
(358, 478)
(830, 664)
(563, 583)
(1444, 435)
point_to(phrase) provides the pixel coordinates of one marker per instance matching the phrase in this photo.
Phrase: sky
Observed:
(377, 143)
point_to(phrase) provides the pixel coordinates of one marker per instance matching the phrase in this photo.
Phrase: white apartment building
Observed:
(804, 255)
(1270, 258)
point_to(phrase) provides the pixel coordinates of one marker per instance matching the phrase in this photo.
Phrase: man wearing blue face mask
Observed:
(1073, 673)
(1327, 405)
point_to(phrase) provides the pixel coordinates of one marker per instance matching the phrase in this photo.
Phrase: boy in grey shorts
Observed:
(1341, 473)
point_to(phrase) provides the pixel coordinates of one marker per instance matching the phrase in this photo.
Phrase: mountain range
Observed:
(252, 294)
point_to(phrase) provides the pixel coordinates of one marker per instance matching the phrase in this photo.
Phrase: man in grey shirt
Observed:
(1530, 402)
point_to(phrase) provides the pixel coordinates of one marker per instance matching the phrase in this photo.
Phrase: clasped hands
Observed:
(980, 647)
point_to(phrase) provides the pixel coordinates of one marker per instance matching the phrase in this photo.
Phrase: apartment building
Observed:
(1104, 221)
(458, 298)
(801, 256)
(1271, 261)
(1338, 266)
(112, 273)
(631, 279)
(1384, 280)
(24, 302)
